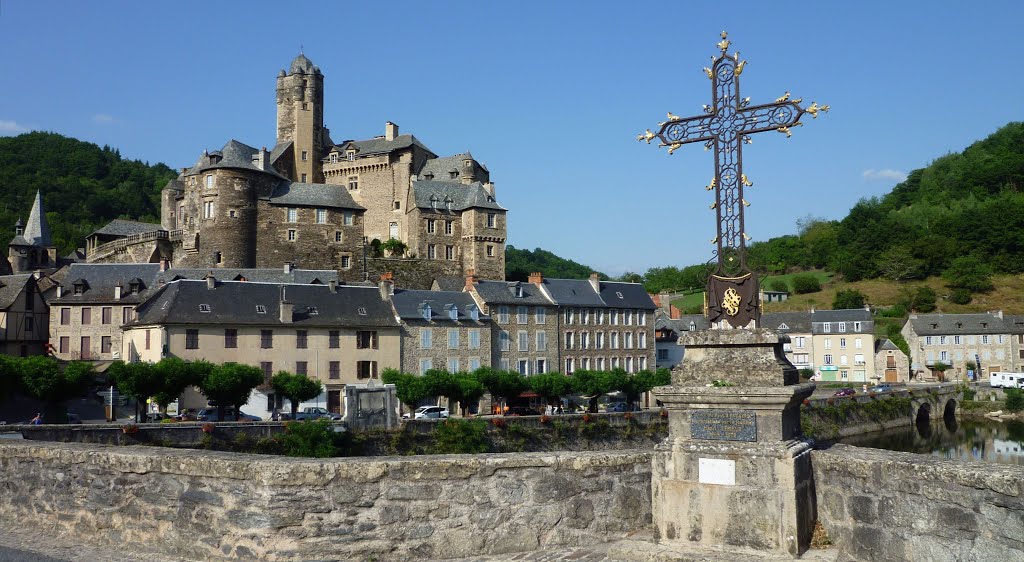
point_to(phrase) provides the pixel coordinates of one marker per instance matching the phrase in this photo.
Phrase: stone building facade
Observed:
(525, 324)
(323, 205)
(956, 339)
(24, 316)
(32, 248)
(796, 325)
(441, 330)
(891, 364)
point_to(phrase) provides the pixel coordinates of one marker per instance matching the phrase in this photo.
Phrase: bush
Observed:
(960, 296)
(779, 285)
(1014, 399)
(460, 437)
(806, 373)
(923, 300)
(970, 273)
(848, 298)
(309, 439)
(894, 311)
(806, 283)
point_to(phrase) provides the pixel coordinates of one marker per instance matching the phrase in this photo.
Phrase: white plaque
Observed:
(716, 471)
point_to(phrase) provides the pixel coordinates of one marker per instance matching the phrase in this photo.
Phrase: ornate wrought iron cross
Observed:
(725, 126)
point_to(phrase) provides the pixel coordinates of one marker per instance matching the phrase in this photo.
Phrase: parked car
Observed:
(618, 407)
(521, 411)
(312, 413)
(210, 415)
(428, 413)
(845, 392)
(882, 387)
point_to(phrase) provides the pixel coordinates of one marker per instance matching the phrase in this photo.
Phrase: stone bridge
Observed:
(933, 402)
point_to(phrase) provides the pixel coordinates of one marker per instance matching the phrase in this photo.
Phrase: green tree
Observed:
(1014, 399)
(470, 390)
(940, 368)
(848, 298)
(394, 247)
(960, 296)
(296, 388)
(409, 388)
(10, 377)
(804, 283)
(501, 384)
(779, 285)
(634, 386)
(550, 386)
(592, 385)
(923, 300)
(311, 438)
(230, 384)
(139, 380)
(176, 375)
(44, 379)
(897, 263)
(970, 273)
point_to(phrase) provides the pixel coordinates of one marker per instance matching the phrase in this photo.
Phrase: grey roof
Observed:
(120, 227)
(624, 295)
(884, 343)
(380, 145)
(234, 303)
(699, 321)
(313, 195)
(440, 168)
(680, 325)
(101, 278)
(37, 230)
(279, 150)
(10, 287)
(578, 292)
(450, 282)
(262, 275)
(953, 324)
(794, 322)
(842, 315)
(302, 65)
(233, 155)
(504, 292)
(410, 305)
(452, 195)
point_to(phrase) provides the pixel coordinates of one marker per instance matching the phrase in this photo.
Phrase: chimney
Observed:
(390, 131)
(489, 189)
(333, 285)
(665, 303)
(164, 264)
(999, 314)
(60, 291)
(263, 157)
(286, 307)
(536, 278)
(117, 292)
(387, 286)
(288, 267)
(471, 279)
(595, 282)
(211, 281)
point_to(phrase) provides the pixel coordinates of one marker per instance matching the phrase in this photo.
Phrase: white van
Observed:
(1001, 379)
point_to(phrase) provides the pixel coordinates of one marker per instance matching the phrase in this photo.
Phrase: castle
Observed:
(361, 207)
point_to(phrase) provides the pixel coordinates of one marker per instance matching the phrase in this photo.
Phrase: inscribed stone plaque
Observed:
(716, 471)
(723, 425)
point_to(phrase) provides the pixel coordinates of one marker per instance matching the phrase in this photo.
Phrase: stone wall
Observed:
(884, 505)
(232, 506)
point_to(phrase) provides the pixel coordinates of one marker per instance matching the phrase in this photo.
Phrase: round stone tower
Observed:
(300, 117)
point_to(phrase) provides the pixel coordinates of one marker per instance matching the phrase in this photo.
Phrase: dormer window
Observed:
(204, 308)
(433, 201)
(618, 294)
(447, 202)
(334, 158)
(474, 312)
(519, 291)
(453, 174)
(361, 311)
(453, 313)
(426, 312)
(428, 176)
(783, 326)
(260, 309)
(313, 311)
(79, 289)
(693, 326)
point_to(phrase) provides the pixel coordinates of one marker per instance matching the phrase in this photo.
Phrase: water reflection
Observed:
(991, 441)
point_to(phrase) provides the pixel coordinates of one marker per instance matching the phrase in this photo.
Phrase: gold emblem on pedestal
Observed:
(731, 302)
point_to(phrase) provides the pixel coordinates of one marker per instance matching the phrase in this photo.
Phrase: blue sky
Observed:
(549, 95)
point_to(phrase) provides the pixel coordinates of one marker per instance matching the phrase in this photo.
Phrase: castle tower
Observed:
(300, 118)
(32, 248)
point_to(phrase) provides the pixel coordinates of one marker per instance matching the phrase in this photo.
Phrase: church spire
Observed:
(37, 230)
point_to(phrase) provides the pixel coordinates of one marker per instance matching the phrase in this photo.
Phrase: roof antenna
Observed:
(301, 52)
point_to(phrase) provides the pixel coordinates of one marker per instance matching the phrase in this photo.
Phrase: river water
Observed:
(988, 440)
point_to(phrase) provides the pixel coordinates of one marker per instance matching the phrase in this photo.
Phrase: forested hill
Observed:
(966, 207)
(83, 186)
(519, 264)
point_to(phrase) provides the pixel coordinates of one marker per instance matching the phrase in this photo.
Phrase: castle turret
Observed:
(300, 118)
(32, 247)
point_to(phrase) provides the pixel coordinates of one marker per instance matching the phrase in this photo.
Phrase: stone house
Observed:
(796, 325)
(336, 334)
(668, 351)
(955, 339)
(891, 363)
(442, 330)
(92, 303)
(24, 316)
(843, 345)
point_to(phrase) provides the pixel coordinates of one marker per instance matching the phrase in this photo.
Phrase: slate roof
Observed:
(120, 227)
(434, 194)
(235, 303)
(884, 344)
(624, 295)
(302, 65)
(379, 145)
(567, 292)
(101, 279)
(796, 322)
(10, 287)
(279, 150)
(842, 315)
(261, 275)
(233, 155)
(953, 324)
(37, 230)
(699, 320)
(680, 325)
(298, 194)
(441, 168)
(450, 283)
(409, 305)
(504, 292)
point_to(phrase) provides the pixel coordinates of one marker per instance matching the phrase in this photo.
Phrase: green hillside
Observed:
(83, 186)
(520, 263)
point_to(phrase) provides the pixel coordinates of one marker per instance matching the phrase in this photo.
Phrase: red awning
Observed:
(529, 395)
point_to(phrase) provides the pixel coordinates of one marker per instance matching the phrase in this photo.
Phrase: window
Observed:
(301, 339)
(448, 227)
(627, 342)
(942, 340)
(842, 360)
(629, 364)
(29, 324)
(492, 220)
(105, 315)
(426, 338)
(301, 368)
(126, 315)
(503, 313)
(453, 313)
(366, 369)
(366, 339)
(334, 370)
(474, 364)
(230, 338)
(353, 183)
(569, 338)
(662, 355)
(584, 340)
(585, 316)
(65, 316)
(490, 251)
(217, 258)
(542, 341)
(430, 226)
(453, 338)
(147, 339)
(842, 327)
(615, 340)
(999, 338)
(828, 343)
(943, 356)
(266, 339)
(828, 359)
(799, 341)
(569, 316)
(207, 209)
(856, 326)
(453, 365)
(524, 340)
(928, 340)
(346, 262)
(600, 340)
(426, 312)
(615, 318)
(348, 218)
(984, 339)
(337, 236)
(191, 339)
(87, 316)
(800, 358)
(844, 374)
(105, 344)
(956, 340)
(474, 338)
(568, 365)
(629, 317)
(858, 343)
(291, 235)
(542, 366)
(641, 340)
(321, 216)
(334, 339)
(431, 252)
(842, 343)
(540, 315)
(524, 366)
(826, 327)
(260, 309)
(292, 215)
(522, 314)
(350, 155)
(86, 347)
(449, 252)
(209, 182)
(305, 155)
(204, 308)
(503, 341)
(334, 157)
(858, 358)
(426, 365)
(65, 343)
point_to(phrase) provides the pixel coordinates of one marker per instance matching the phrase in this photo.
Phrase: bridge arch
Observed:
(923, 413)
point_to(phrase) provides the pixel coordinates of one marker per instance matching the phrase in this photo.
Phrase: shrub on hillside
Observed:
(1014, 399)
(805, 283)
(848, 298)
(894, 311)
(779, 285)
(971, 273)
(923, 300)
(960, 296)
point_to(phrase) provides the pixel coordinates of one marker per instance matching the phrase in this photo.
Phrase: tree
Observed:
(923, 299)
(804, 283)
(230, 383)
(960, 296)
(550, 386)
(897, 263)
(176, 375)
(634, 386)
(848, 298)
(10, 377)
(409, 388)
(439, 382)
(296, 388)
(779, 285)
(394, 247)
(139, 380)
(970, 273)
(501, 384)
(470, 390)
(940, 368)
(43, 378)
(592, 385)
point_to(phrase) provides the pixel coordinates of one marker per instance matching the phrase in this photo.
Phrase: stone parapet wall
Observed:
(212, 506)
(885, 505)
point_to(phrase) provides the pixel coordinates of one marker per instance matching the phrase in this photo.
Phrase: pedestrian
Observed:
(547, 410)
(38, 420)
(559, 410)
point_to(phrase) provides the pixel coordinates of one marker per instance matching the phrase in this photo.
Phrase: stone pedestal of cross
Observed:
(735, 469)
(732, 292)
